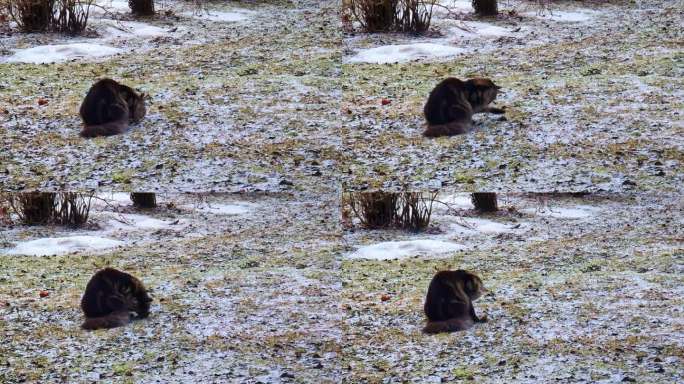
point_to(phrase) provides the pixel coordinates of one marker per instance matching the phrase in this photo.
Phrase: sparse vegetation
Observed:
(32, 208)
(391, 15)
(66, 16)
(31, 15)
(69, 209)
(404, 210)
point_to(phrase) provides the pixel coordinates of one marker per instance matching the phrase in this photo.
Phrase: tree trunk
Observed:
(485, 7)
(485, 201)
(144, 200)
(141, 7)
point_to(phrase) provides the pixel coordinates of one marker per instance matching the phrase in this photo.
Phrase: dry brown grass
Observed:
(404, 210)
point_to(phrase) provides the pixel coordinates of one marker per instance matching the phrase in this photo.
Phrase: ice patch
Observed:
(111, 198)
(61, 245)
(479, 29)
(390, 250)
(479, 226)
(62, 52)
(131, 28)
(565, 16)
(457, 5)
(576, 212)
(227, 209)
(403, 52)
(128, 221)
(225, 17)
(112, 5)
(459, 201)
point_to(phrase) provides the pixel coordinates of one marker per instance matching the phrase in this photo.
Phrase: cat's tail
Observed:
(448, 129)
(451, 325)
(114, 319)
(106, 129)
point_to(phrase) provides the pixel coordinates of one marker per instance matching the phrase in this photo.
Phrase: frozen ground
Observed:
(573, 298)
(246, 297)
(243, 98)
(593, 91)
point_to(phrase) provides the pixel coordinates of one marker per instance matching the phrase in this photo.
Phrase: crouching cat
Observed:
(110, 298)
(449, 301)
(452, 104)
(109, 107)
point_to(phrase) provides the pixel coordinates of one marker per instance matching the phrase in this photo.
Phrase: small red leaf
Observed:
(385, 101)
(44, 294)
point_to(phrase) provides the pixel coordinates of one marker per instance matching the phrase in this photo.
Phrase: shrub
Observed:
(66, 16)
(72, 209)
(41, 208)
(71, 16)
(404, 210)
(33, 208)
(391, 15)
(31, 15)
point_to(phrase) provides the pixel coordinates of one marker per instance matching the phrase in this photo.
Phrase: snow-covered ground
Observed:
(237, 295)
(114, 222)
(240, 99)
(592, 91)
(591, 293)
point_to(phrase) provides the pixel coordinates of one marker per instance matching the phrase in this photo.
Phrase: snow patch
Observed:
(61, 245)
(227, 209)
(224, 17)
(111, 198)
(61, 52)
(478, 29)
(403, 52)
(110, 6)
(576, 212)
(479, 226)
(127, 221)
(116, 28)
(390, 250)
(567, 16)
(459, 201)
(459, 5)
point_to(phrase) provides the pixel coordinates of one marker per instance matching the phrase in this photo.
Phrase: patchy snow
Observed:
(576, 212)
(218, 16)
(474, 225)
(115, 28)
(111, 6)
(221, 322)
(456, 5)
(61, 52)
(61, 245)
(111, 198)
(568, 16)
(239, 208)
(458, 200)
(404, 52)
(476, 28)
(391, 250)
(128, 221)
